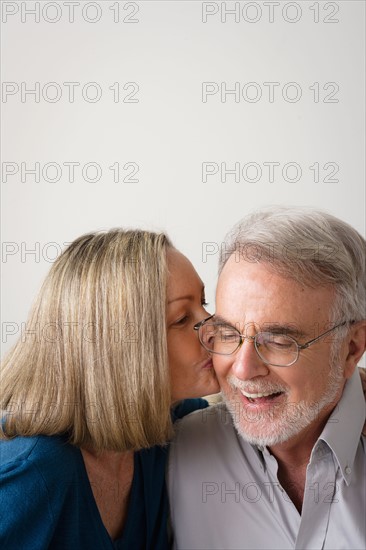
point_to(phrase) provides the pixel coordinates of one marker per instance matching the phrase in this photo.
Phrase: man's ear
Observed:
(356, 346)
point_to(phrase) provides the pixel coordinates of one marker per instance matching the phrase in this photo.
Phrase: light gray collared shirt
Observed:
(225, 493)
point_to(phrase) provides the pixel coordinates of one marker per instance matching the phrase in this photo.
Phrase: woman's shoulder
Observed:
(43, 487)
(187, 406)
(46, 454)
(40, 470)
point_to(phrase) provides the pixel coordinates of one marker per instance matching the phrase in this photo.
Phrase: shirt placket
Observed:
(320, 488)
(282, 506)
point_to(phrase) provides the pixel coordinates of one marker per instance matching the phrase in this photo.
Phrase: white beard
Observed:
(281, 422)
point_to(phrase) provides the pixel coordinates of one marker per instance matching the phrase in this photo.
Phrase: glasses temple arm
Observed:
(305, 346)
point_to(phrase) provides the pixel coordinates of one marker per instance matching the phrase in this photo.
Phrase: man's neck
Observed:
(293, 456)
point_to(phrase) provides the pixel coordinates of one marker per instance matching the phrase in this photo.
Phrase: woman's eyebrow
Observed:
(187, 297)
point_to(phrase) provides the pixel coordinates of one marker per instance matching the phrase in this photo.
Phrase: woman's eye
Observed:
(204, 303)
(182, 320)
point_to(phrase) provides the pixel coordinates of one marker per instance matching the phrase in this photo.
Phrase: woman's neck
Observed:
(110, 476)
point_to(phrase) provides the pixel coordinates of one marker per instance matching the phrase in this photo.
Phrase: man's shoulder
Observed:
(208, 417)
(343, 430)
(209, 427)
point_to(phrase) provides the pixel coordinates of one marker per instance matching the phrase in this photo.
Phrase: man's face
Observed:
(292, 401)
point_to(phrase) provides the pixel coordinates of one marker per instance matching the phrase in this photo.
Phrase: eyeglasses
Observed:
(278, 350)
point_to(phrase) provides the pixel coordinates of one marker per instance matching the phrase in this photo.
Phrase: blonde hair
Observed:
(94, 361)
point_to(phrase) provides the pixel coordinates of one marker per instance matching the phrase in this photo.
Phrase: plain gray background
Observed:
(151, 86)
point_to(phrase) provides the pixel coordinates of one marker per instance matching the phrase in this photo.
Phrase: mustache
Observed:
(256, 386)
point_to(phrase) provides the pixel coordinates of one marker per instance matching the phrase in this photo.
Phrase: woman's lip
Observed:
(208, 364)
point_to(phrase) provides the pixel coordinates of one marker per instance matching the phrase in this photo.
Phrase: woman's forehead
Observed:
(182, 277)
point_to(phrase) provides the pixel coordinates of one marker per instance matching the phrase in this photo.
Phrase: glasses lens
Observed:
(276, 349)
(218, 338)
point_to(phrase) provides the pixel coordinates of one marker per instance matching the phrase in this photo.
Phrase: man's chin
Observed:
(262, 439)
(274, 427)
(284, 420)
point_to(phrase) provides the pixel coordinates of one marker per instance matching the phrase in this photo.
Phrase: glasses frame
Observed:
(243, 337)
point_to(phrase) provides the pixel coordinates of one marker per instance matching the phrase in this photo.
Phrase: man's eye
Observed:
(204, 303)
(229, 336)
(281, 345)
(280, 341)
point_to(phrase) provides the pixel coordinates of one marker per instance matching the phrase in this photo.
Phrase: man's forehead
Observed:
(254, 292)
(237, 270)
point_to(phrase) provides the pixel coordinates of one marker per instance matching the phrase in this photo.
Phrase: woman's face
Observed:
(191, 369)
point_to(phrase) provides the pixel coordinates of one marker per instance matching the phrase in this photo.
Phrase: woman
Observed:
(87, 395)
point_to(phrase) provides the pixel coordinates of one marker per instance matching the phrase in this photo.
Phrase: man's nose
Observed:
(247, 363)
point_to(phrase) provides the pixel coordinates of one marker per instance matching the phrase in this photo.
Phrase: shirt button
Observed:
(348, 470)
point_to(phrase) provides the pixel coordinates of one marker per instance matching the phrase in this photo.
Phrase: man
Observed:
(286, 467)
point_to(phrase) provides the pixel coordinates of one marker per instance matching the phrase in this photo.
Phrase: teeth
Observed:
(255, 395)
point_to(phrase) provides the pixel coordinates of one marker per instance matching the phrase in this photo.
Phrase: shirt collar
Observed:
(343, 430)
(341, 433)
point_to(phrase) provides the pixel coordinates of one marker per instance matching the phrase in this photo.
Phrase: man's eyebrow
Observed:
(277, 328)
(287, 328)
(219, 319)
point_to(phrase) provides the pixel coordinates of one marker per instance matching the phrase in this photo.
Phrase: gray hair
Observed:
(309, 246)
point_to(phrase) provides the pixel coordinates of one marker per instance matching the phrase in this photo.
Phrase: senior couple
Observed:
(280, 463)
